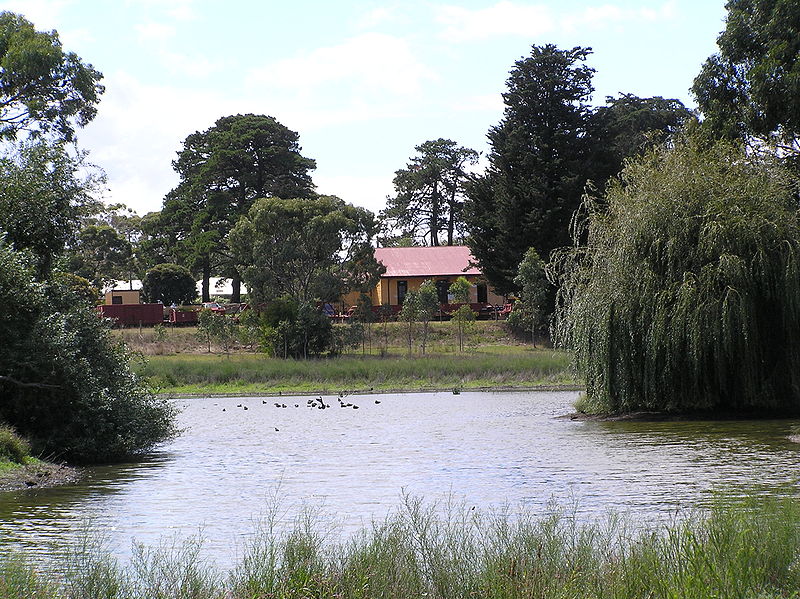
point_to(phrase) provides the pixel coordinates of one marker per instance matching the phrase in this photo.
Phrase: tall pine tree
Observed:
(537, 163)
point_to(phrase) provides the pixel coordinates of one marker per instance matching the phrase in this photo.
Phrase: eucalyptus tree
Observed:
(45, 193)
(297, 254)
(430, 192)
(308, 250)
(751, 87)
(43, 89)
(686, 296)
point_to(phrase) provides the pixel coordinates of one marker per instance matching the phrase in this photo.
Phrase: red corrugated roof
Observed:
(427, 261)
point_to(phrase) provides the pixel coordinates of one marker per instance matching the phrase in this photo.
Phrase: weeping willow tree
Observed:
(686, 296)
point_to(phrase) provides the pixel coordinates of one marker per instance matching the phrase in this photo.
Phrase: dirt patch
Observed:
(37, 476)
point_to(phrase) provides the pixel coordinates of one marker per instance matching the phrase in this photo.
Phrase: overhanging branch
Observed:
(19, 383)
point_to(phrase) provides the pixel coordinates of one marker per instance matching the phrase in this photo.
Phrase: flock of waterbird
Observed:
(317, 403)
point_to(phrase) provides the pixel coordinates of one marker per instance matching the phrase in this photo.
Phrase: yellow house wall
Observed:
(386, 291)
(128, 297)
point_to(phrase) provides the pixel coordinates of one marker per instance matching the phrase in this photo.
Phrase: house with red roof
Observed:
(408, 267)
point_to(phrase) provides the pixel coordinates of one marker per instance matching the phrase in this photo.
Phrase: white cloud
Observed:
(156, 36)
(598, 17)
(193, 66)
(369, 64)
(504, 18)
(377, 16)
(508, 18)
(138, 131)
(367, 77)
(155, 32)
(44, 14)
(367, 191)
(181, 10)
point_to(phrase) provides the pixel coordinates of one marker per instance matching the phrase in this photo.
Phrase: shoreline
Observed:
(38, 475)
(370, 391)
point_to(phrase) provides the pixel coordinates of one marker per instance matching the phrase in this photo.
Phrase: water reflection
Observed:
(354, 465)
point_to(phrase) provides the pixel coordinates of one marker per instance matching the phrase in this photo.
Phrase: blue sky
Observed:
(361, 81)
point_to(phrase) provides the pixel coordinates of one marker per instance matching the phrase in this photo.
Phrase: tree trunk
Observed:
(451, 221)
(205, 295)
(236, 288)
(434, 221)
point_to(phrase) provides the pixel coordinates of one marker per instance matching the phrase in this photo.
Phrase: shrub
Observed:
(169, 284)
(65, 383)
(290, 330)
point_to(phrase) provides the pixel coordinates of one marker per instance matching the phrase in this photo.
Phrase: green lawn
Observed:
(497, 367)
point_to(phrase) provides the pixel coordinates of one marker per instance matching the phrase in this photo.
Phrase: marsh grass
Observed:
(259, 374)
(748, 549)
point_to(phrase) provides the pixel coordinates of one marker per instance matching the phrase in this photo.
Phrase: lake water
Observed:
(354, 465)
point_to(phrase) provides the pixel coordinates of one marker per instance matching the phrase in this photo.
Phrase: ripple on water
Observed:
(353, 466)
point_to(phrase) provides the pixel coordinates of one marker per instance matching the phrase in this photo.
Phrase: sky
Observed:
(363, 82)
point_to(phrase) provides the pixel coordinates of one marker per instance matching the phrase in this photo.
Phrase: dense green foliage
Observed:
(169, 284)
(743, 550)
(429, 193)
(626, 126)
(751, 87)
(45, 191)
(530, 311)
(687, 296)
(42, 88)
(309, 250)
(100, 254)
(65, 383)
(536, 165)
(549, 146)
(296, 330)
(223, 170)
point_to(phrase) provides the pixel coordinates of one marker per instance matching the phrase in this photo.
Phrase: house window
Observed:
(116, 299)
(441, 290)
(483, 294)
(402, 289)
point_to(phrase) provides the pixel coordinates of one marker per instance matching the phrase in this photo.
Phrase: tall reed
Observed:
(748, 549)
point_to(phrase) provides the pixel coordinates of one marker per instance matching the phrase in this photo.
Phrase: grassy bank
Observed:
(256, 374)
(175, 361)
(749, 550)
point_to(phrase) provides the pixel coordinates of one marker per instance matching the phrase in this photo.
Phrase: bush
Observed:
(687, 295)
(65, 383)
(292, 331)
(169, 284)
